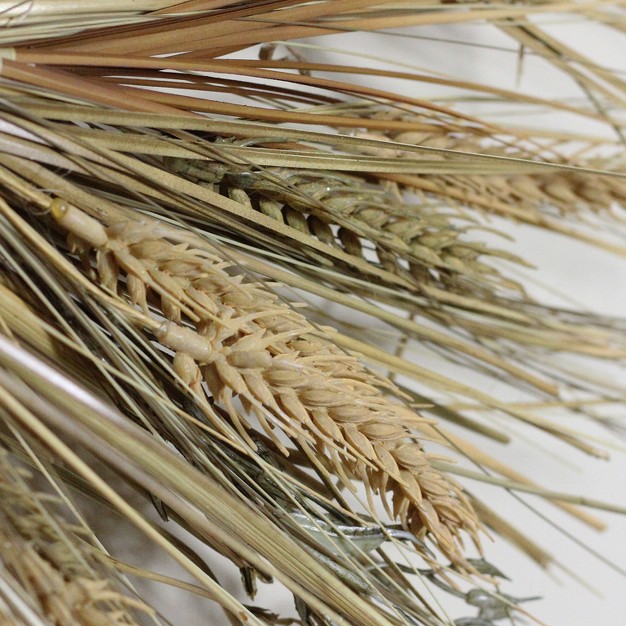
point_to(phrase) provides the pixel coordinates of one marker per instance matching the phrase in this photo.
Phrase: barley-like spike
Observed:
(396, 229)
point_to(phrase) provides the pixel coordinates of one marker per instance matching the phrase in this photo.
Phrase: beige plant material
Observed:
(250, 346)
(54, 565)
(366, 197)
(569, 192)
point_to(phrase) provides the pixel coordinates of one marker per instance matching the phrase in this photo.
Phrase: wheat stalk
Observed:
(250, 346)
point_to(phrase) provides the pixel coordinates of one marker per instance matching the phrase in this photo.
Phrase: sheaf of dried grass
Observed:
(375, 204)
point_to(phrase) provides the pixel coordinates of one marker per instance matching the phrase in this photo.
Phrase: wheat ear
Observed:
(249, 345)
(423, 245)
(526, 196)
(53, 565)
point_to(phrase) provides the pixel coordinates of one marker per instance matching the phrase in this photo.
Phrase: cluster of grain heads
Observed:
(252, 349)
(364, 182)
(51, 566)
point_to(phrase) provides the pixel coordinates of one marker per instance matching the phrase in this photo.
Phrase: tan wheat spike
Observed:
(524, 316)
(249, 345)
(51, 563)
(571, 194)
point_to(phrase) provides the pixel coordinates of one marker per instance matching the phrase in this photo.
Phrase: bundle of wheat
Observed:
(218, 251)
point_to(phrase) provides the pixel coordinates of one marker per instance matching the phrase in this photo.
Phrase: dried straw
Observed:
(147, 232)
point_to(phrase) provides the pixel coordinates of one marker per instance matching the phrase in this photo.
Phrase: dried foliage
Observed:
(201, 217)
